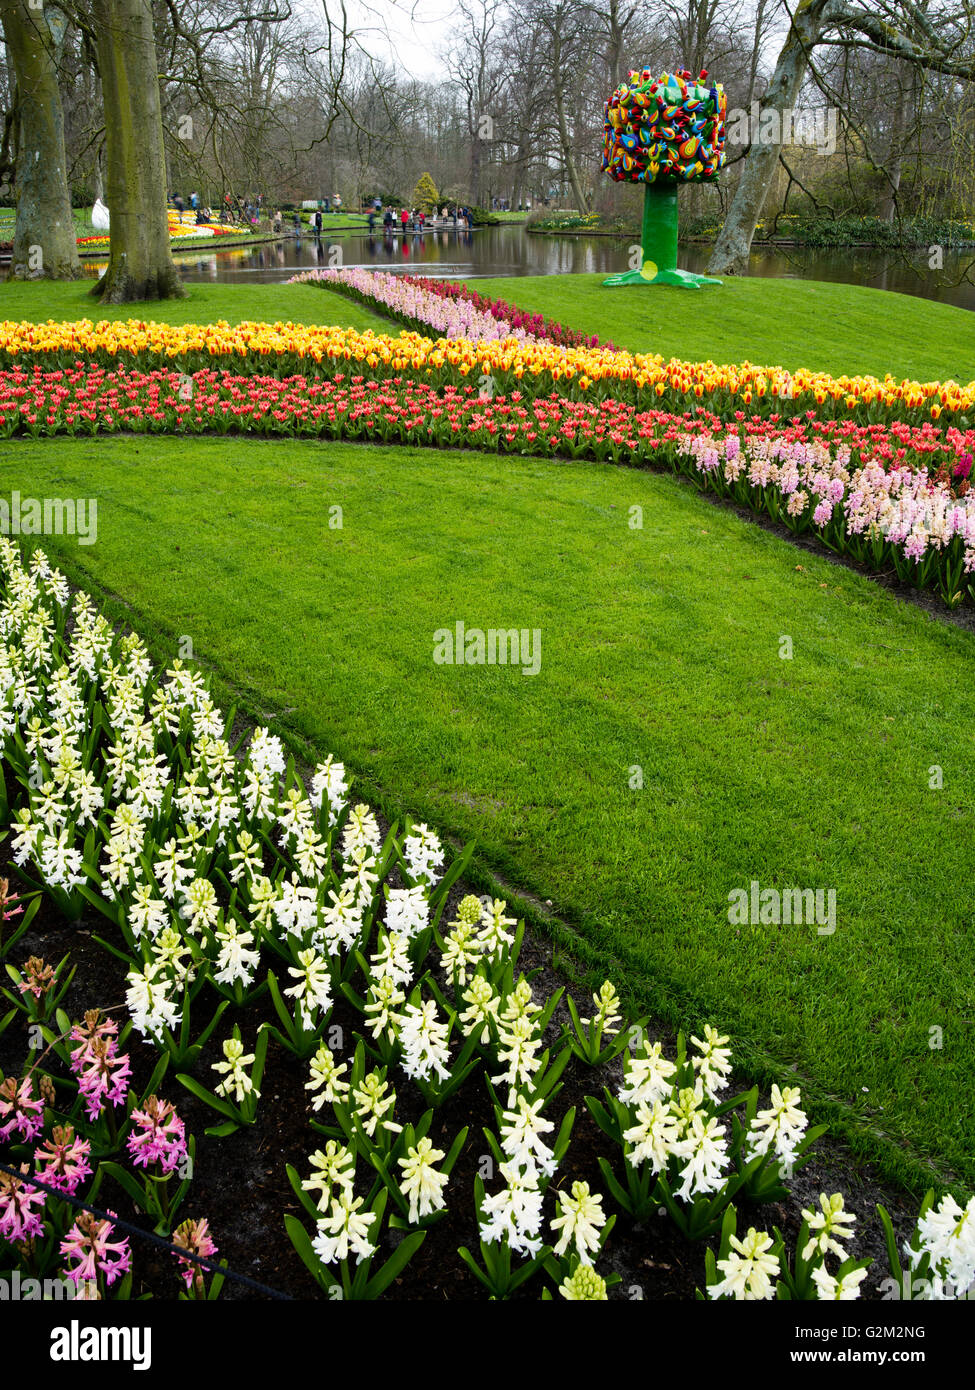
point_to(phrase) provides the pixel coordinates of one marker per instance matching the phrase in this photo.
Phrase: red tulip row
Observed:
(91, 399)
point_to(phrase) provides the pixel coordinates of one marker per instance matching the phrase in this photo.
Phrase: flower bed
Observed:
(227, 884)
(502, 364)
(536, 325)
(408, 301)
(415, 301)
(177, 231)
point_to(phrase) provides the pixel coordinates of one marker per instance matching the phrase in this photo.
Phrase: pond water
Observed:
(509, 250)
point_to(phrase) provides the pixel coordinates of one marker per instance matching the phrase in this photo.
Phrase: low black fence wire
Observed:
(149, 1236)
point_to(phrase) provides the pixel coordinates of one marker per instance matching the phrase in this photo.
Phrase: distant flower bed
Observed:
(178, 231)
(411, 302)
(534, 325)
(447, 307)
(896, 497)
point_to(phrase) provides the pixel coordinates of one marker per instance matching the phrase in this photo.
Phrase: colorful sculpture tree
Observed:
(662, 132)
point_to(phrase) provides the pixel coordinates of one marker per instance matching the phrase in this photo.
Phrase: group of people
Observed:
(416, 219)
(202, 214)
(251, 211)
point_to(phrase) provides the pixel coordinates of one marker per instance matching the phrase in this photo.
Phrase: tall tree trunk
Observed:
(568, 155)
(140, 262)
(730, 256)
(902, 120)
(45, 242)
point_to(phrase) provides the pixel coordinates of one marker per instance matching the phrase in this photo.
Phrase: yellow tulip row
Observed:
(412, 352)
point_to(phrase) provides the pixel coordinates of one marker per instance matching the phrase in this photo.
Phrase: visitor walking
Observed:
(404, 217)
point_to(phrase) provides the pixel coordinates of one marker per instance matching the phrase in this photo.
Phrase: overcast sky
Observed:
(411, 42)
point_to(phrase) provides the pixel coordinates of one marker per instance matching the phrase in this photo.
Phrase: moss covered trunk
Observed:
(45, 242)
(140, 262)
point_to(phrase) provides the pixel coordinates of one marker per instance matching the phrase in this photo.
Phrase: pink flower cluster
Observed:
(909, 507)
(103, 1074)
(158, 1135)
(411, 301)
(194, 1236)
(18, 1218)
(88, 1244)
(19, 1109)
(535, 325)
(62, 1160)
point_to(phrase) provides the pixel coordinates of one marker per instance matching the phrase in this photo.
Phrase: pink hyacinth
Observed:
(915, 546)
(103, 1075)
(88, 1243)
(26, 1115)
(38, 978)
(18, 1219)
(62, 1160)
(195, 1237)
(160, 1136)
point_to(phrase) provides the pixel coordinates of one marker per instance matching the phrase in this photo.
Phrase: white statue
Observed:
(99, 216)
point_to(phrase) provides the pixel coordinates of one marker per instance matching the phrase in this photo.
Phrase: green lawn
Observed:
(39, 301)
(788, 323)
(660, 650)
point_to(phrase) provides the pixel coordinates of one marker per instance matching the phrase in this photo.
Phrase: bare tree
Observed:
(45, 242)
(140, 262)
(936, 38)
(471, 59)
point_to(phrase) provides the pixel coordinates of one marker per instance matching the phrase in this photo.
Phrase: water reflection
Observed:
(466, 254)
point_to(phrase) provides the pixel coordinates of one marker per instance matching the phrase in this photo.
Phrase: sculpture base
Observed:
(685, 279)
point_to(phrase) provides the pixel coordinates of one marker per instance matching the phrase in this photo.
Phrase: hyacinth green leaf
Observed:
(396, 1263)
(301, 1241)
(201, 1093)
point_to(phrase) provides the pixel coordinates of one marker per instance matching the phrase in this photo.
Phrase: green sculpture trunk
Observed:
(659, 244)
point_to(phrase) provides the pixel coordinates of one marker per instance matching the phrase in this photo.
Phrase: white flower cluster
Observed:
(946, 1233)
(678, 1123)
(143, 762)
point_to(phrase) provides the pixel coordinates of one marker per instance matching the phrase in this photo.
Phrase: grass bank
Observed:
(788, 323)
